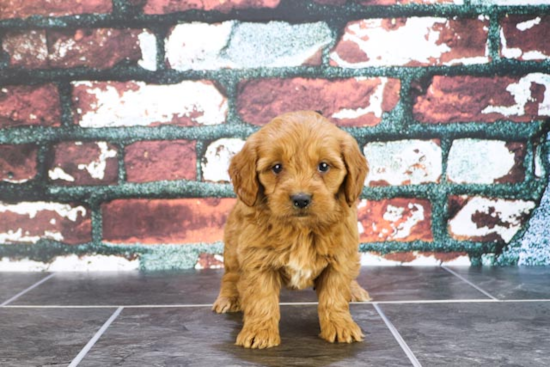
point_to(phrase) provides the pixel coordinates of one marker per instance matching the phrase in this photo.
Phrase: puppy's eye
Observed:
(277, 168)
(323, 167)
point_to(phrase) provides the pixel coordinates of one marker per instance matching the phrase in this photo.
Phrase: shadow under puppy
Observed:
(295, 224)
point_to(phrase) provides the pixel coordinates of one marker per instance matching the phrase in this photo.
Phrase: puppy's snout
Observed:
(301, 200)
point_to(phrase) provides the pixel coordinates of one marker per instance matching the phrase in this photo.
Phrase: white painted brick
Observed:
(479, 161)
(201, 46)
(217, 158)
(506, 213)
(141, 104)
(403, 162)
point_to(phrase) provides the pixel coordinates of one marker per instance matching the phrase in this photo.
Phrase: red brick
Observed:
(209, 261)
(27, 8)
(330, 2)
(17, 162)
(173, 221)
(421, 256)
(398, 219)
(525, 37)
(430, 41)
(170, 6)
(115, 104)
(483, 99)
(161, 160)
(29, 105)
(28, 222)
(486, 219)
(99, 48)
(90, 163)
(347, 102)
(27, 49)
(405, 2)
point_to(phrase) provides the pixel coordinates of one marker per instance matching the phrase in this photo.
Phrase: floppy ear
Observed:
(357, 168)
(242, 171)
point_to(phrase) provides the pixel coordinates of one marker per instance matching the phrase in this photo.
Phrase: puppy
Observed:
(295, 224)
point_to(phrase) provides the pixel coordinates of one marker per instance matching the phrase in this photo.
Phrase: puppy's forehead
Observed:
(290, 138)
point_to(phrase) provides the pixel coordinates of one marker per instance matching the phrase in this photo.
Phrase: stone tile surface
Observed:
(197, 337)
(11, 283)
(46, 337)
(475, 334)
(524, 282)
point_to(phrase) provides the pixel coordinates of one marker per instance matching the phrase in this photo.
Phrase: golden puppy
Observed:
(295, 224)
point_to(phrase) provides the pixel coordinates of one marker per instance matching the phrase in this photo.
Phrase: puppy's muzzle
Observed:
(301, 200)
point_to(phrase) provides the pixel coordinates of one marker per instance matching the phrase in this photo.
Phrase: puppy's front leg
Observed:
(333, 291)
(259, 290)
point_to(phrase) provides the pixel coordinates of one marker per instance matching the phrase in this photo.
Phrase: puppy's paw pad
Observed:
(258, 339)
(224, 304)
(341, 332)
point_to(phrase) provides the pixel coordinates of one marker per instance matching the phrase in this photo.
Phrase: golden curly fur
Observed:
(295, 224)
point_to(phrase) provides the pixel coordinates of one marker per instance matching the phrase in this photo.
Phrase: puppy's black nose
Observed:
(301, 200)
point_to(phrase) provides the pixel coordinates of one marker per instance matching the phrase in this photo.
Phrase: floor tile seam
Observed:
(35, 285)
(80, 356)
(402, 343)
(413, 302)
(469, 283)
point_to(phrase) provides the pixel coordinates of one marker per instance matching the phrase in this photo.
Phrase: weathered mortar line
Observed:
(121, 162)
(388, 129)
(290, 11)
(493, 38)
(200, 150)
(509, 67)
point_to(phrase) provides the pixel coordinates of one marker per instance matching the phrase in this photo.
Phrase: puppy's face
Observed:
(300, 167)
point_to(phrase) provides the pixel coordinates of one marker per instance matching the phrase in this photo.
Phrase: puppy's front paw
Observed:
(260, 339)
(344, 331)
(225, 304)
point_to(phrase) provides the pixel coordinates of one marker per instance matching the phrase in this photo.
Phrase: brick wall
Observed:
(118, 119)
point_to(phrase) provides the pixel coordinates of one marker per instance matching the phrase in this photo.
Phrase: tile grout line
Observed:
(95, 338)
(398, 337)
(470, 283)
(26, 290)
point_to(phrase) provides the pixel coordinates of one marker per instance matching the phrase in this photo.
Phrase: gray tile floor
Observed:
(429, 316)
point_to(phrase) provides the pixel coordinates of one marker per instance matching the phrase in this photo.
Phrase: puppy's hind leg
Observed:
(358, 294)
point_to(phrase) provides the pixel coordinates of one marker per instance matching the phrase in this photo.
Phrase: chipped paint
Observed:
(71, 263)
(96, 168)
(19, 237)
(522, 94)
(419, 34)
(32, 208)
(217, 158)
(376, 101)
(523, 26)
(151, 104)
(479, 161)
(184, 50)
(507, 214)
(516, 53)
(148, 46)
(420, 259)
(58, 174)
(403, 162)
(402, 229)
(244, 45)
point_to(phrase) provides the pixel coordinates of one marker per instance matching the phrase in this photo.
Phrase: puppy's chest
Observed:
(302, 266)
